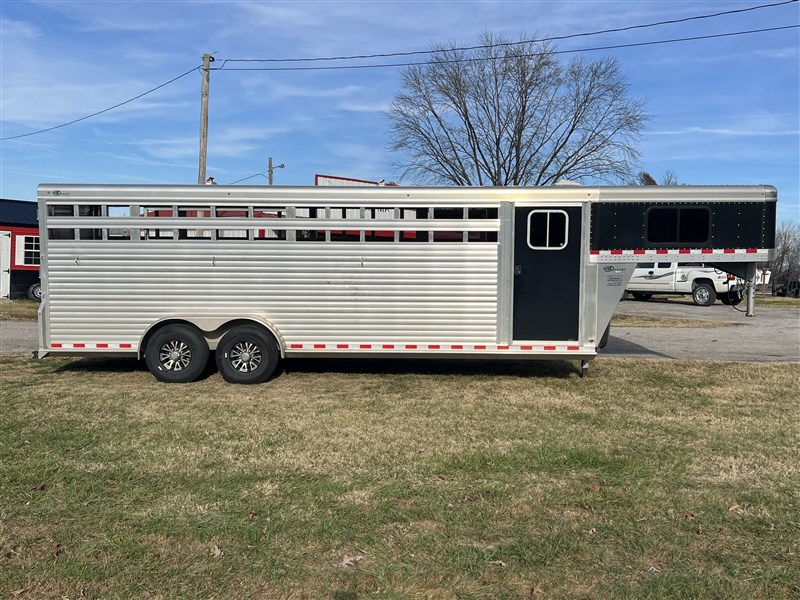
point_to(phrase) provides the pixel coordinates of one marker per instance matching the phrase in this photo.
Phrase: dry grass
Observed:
(18, 310)
(414, 480)
(648, 321)
(777, 301)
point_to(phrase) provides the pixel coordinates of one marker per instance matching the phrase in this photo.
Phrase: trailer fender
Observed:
(214, 327)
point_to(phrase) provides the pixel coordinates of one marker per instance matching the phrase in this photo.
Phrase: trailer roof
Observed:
(207, 194)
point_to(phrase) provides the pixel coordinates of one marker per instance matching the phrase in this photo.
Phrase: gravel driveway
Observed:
(773, 335)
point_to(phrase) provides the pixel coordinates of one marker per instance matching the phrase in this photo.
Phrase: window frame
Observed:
(548, 212)
(677, 241)
(22, 251)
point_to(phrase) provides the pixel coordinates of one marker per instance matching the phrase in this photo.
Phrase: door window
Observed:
(547, 229)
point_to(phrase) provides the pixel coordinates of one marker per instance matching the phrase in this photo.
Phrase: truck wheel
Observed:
(247, 355)
(732, 298)
(35, 292)
(704, 294)
(176, 354)
(641, 296)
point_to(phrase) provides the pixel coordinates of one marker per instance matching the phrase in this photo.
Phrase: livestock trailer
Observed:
(251, 274)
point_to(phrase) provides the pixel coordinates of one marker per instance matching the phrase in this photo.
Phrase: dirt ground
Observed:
(772, 335)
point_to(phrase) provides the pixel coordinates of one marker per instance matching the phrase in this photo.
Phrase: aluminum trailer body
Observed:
(253, 273)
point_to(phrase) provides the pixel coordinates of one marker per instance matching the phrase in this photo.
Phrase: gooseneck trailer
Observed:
(249, 275)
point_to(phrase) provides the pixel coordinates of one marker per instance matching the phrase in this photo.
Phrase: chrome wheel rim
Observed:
(245, 357)
(702, 295)
(175, 355)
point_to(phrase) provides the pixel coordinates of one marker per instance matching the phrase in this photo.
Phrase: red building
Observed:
(19, 250)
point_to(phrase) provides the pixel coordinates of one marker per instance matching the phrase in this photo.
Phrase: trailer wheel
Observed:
(247, 355)
(704, 295)
(176, 354)
(35, 292)
(641, 296)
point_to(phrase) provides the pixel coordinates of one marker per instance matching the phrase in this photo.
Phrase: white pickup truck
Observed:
(703, 282)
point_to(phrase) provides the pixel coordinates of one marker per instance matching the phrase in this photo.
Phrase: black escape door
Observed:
(547, 265)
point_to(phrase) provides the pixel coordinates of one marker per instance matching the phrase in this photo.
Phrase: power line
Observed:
(246, 178)
(394, 65)
(105, 110)
(478, 59)
(507, 44)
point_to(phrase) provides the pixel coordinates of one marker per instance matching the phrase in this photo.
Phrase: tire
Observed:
(176, 354)
(247, 354)
(35, 292)
(704, 294)
(641, 296)
(732, 298)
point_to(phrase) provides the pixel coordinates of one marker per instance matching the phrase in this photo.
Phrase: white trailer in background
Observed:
(253, 274)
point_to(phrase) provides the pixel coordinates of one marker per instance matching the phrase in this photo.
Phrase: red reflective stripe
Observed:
(79, 345)
(124, 345)
(388, 346)
(751, 250)
(456, 347)
(638, 251)
(616, 252)
(365, 346)
(480, 347)
(706, 251)
(549, 347)
(573, 347)
(342, 346)
(730, 251)
(102, 345)
(502, 347)
(411, 346)
(296, 346)
(684, 251)
(319, 345)
(55, 345)
(434, 346)
(526, 347)
(661, 251)
(594, 251)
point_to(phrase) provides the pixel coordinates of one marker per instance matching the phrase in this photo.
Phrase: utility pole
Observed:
(270, 169)
(207, 60)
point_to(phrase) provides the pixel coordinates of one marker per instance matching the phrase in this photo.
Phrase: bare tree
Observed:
(515, 114)
(786, 260)
(644, 178)
(670, 178)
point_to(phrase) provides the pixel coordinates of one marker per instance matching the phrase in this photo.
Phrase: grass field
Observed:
(354, 480)
(18, 310)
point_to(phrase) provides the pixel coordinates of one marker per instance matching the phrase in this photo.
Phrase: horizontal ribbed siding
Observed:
(111, 292)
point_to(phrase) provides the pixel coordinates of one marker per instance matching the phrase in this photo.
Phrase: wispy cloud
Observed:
(725, 132)
(682, 59)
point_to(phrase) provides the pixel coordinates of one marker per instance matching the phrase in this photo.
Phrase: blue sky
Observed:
(725, 111)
